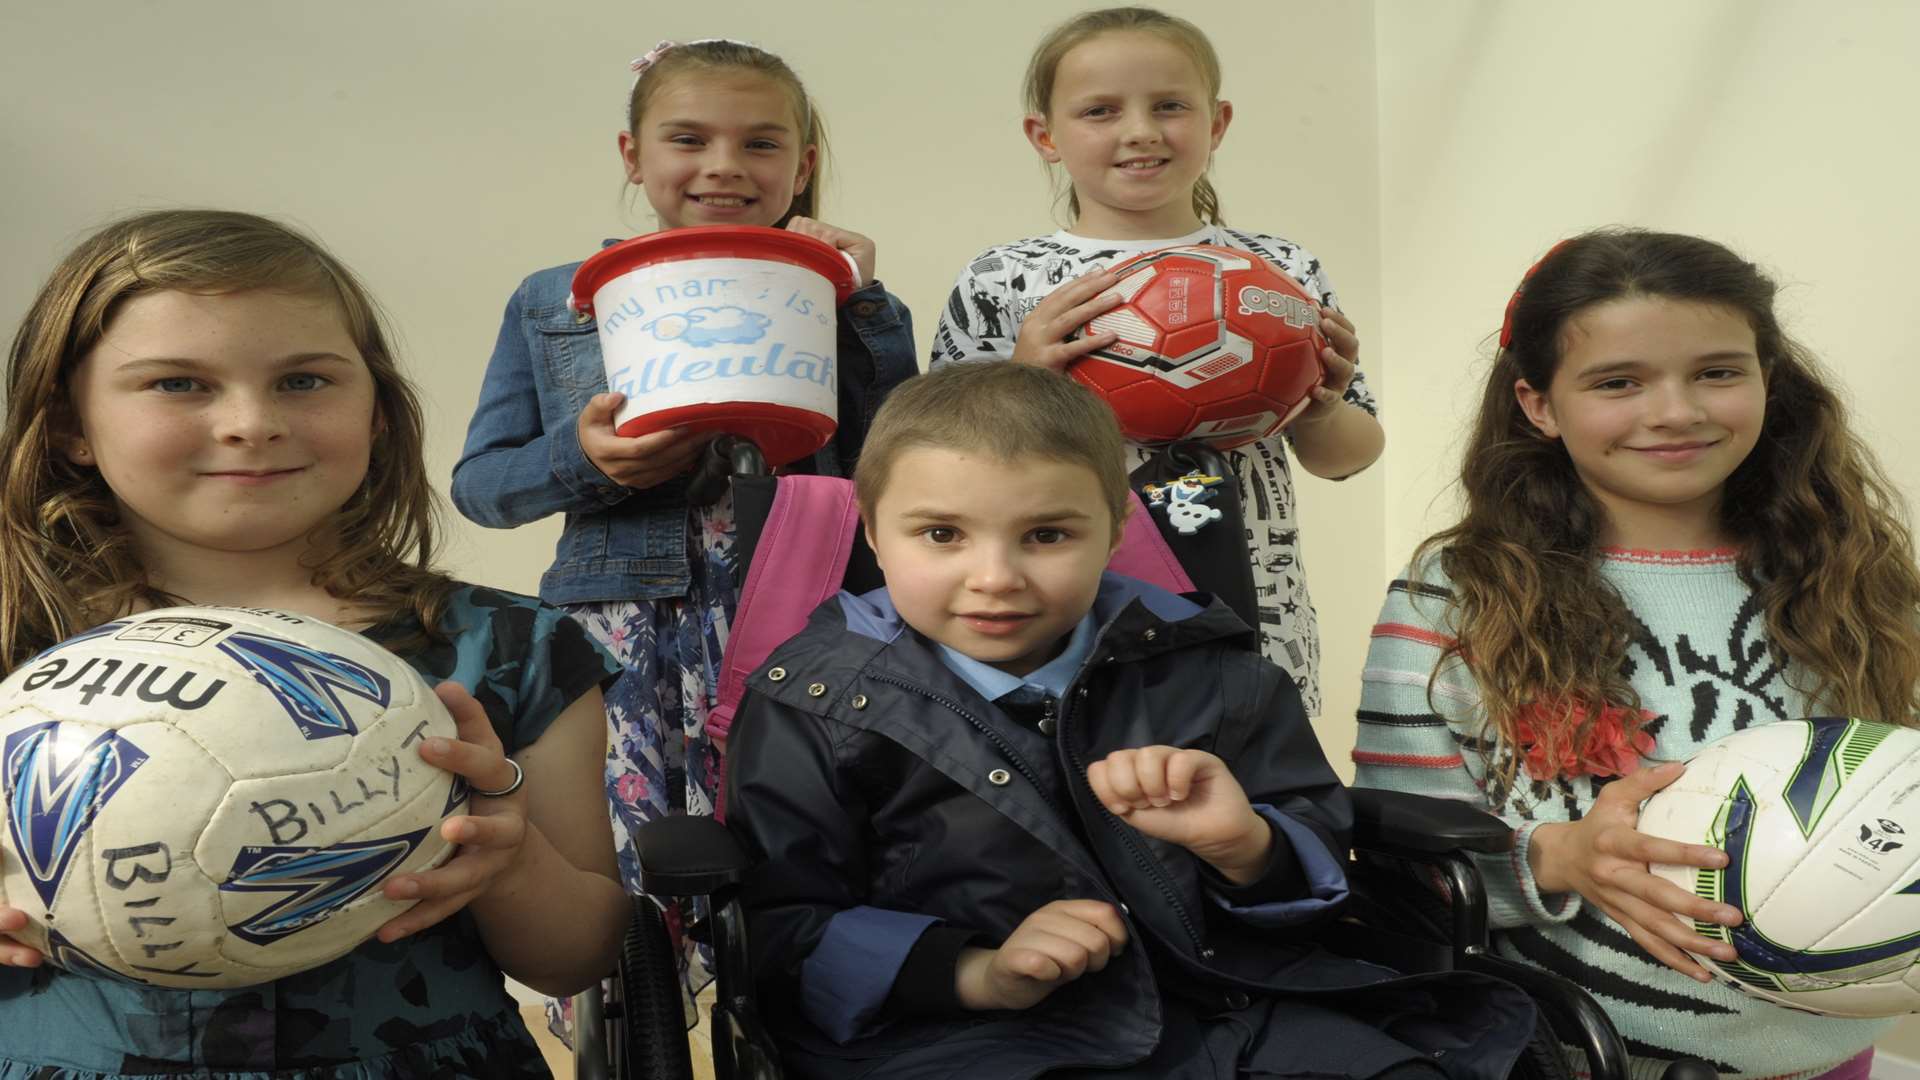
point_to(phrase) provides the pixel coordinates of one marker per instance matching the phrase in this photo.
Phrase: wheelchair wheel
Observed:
(653, 1020)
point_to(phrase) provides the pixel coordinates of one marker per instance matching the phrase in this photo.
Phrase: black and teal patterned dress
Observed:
(429, 1007)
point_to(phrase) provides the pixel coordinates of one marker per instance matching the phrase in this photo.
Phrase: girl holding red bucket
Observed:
(718, 133)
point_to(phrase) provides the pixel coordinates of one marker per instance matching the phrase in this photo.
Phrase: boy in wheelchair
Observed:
(1016, 816)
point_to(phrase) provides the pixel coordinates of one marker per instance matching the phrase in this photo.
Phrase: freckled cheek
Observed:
(339, 429)
(144, 442)
(342, 445)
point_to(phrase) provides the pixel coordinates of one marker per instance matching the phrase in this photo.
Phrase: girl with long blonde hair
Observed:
(202, 408)
(1126, 102)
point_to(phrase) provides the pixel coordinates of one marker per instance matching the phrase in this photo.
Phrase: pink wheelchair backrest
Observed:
(802, 556)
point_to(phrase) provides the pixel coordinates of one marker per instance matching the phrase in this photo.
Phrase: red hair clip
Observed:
(1506, 323)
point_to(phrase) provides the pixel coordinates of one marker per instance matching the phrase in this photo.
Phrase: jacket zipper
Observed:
(1006, 749)
(1140, 857)
(1127, 837)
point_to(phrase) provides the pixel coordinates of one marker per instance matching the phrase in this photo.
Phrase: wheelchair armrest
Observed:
(1399, 821)
(686, 855)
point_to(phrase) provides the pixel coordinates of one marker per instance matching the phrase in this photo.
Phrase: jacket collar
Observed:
(850, 637)
(873, 615)
(1050, 678)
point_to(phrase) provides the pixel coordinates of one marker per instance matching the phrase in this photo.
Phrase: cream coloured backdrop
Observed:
(1783, 129)
(446, 149)
(1428, 151)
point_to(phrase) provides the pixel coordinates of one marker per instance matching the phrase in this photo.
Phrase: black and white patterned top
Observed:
(1002, 284)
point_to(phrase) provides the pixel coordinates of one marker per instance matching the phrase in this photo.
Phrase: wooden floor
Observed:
(560, 1059)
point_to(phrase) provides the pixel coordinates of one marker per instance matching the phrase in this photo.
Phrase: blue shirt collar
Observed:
(1051, 678)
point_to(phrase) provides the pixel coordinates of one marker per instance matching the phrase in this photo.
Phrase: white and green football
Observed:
(1820, 820)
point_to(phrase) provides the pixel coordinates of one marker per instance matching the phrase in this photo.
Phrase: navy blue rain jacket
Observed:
(887, 802)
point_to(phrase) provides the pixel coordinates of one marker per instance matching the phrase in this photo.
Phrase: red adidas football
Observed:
(1215, 344)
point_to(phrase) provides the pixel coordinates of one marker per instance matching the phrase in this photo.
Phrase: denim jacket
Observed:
(523, 460)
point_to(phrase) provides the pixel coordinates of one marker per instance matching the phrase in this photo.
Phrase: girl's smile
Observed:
(1657, 402)
(718, 149)
(225, 423)
(1134, 123)
(1676, 453)
(256, 477)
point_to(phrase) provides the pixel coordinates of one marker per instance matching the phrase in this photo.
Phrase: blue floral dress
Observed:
(429, 1007)
(660, 760)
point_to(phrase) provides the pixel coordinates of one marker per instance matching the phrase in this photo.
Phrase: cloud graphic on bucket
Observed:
(728, 325)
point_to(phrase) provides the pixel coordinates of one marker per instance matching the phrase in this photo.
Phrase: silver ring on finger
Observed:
(519, 777)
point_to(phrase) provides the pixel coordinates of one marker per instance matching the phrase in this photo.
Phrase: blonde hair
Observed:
(66, 561)
(1063, 39)
(724, 56)
(1014, 412)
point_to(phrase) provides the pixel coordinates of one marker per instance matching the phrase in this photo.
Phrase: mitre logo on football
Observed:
(53, 785)
(188, 690)
(313, 685)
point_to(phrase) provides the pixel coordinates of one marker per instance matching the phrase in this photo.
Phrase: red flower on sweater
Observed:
(1611, 743)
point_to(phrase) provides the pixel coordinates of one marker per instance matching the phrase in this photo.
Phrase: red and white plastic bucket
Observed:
(721, 328)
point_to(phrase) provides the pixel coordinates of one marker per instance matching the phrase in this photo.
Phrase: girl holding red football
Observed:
(1127, 101)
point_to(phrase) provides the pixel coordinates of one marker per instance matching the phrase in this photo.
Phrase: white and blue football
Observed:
(1820, 820)
(212, 797)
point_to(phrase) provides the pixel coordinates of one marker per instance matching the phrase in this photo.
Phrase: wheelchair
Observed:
(1418, 902)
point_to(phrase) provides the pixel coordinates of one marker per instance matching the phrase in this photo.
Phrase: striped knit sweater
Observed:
(1701, 667)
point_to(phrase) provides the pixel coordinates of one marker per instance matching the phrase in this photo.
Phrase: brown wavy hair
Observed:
(1821, 533)
(66, 562)
(738, 56)
(1037, 90)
